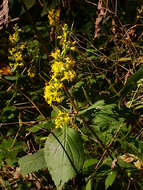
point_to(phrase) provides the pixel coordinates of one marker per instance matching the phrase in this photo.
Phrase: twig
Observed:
(22, 122)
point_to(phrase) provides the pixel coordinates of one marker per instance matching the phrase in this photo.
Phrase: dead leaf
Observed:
(129, 157)
(4, 69)
(138, 164)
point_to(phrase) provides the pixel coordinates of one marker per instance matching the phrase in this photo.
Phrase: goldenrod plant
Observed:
(71, 81)
(61, 69)
(16, 51)
(19, 51)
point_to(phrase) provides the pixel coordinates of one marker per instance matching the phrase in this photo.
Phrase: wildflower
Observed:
(62, 119)
(56, 54)
(59, 37)
(52, 92)
(16, 51)
(30, 73)
(62, 69)
(14, 38)
(57, 67)
(22, 46)
(53, 16)
(18, 56)
(70, 61)
(68, 75)
(12, 51)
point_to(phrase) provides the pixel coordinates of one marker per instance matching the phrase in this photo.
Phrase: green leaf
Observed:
(90, 162)
(106, 122)
(12, 78)
(132, 82)
(139, 107)
(124, 59)
(110, 179)
(63, 155)
(32, 163)
(97, 105)
(29, 5)
(89, 185)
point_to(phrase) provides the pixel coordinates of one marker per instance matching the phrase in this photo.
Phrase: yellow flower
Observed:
(12, 51)
(18, 56)
(58, 99)
(56, 54)
(13, 38)
(16, 51)
(52, 92)
(62, 68)
(22, 46)
(68, 75)
(70, 61)
(53, 16)
(30, 73)
(59, 37)
(62, 119)
(57, 68)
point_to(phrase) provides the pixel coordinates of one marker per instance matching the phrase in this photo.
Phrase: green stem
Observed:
(133, 98)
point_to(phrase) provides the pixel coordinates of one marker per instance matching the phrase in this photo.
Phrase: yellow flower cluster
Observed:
(15, 53)
(140, 10)
(52, 92)
(30, 73)
(14, 38)
(53, 16)
(62, 69)
(62, 119)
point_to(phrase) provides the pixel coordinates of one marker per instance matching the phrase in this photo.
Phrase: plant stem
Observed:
(70, 98)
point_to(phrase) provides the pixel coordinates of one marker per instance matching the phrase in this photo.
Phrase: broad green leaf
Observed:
(106, 122)
(32, 163)
(97, 105)
(110, 179)
(63, 155)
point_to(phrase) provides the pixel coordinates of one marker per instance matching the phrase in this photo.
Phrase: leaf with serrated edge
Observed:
(32, 163)
(58, 152)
